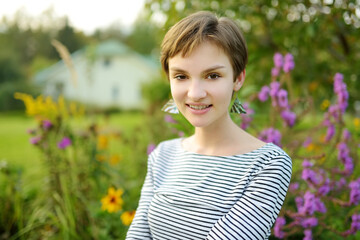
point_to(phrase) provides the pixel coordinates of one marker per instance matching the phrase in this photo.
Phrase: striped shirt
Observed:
(188, 195)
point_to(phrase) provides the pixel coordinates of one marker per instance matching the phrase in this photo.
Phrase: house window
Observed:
(107, 62)
(59, 89)
(115, 93)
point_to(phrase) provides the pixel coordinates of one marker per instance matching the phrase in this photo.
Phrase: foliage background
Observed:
(322, 36)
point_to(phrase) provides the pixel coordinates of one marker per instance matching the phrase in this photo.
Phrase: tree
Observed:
(70, 38)
(321, 36)
(144, 37)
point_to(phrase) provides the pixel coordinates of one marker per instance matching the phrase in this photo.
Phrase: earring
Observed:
(170, 107)
(237, 107)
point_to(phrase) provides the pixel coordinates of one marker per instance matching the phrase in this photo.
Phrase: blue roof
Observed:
(107, 48)
(111, 48)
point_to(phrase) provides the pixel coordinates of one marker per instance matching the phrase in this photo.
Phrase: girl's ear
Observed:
(239, 81)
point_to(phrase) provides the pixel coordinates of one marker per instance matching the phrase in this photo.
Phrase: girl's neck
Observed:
(222, 140)
(215, 140)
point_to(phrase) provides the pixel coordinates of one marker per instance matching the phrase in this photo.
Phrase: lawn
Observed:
(136, 131)
(17, 151)
(14, 145)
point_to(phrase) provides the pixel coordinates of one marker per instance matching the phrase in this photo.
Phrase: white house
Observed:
(107, 75)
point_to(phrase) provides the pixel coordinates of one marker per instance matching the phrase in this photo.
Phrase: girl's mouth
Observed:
(199, 107)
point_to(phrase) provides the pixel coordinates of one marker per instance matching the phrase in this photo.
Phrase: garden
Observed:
(70, 172)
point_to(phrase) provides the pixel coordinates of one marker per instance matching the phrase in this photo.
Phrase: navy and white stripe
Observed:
(194, 196)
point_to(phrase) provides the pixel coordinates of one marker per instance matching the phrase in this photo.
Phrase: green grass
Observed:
(14, 144)
(17, 151)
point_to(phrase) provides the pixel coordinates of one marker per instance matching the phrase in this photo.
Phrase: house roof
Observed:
(111, 48)
(107, 48)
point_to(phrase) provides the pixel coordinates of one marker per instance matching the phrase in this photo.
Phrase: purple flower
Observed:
(309, 222)
(341, 183)
(355, 223)
(248, 117)
(307, 141)
(288, 117)
(275, 72)
(280, 222)
(294, 186)
(271, 135)
(307, 163)
(319, 205)
(339, 85)
(345, 158)
(343, 151)
(288, 63)
(309, 204)
(349, 166)
(341, 92)
(35, 140)
(299, 203)
(181, 134)
(264, 93)
(310, 176)
(354, 192)
(346, 134)
(169, 119)
(338, 77)
(150, 148)
(278, 60)
(308, 234)
(330, 132)
(64, 143)
(325, 188)
(47, 124)
(282, 96)
(274, 88)
(333, 111)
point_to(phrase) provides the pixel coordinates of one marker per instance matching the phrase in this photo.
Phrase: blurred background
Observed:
(81, 90)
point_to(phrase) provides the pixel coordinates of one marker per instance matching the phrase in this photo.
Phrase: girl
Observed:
(221, 182)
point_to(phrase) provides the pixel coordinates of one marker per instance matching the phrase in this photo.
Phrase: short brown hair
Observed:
(203, 26)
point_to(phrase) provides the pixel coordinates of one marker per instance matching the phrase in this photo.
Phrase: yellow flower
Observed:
(102, 142)
(127, 217)
(112, 202)
(325, 104)
(100, 157)
(73, 109)
(313, 86)
(357, 123)
(114, 159)
(62, 107)
(310, 147)
(50, 106)
(44, 107)
(323, 138)
(29, 102)
(313, 147)
(322, 160)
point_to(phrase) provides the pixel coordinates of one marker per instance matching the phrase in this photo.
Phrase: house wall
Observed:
(109, 81)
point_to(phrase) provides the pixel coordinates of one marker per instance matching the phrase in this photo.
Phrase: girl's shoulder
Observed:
(167, 146)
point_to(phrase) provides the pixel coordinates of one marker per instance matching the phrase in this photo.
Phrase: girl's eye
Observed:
(180, 77)
(213, 76)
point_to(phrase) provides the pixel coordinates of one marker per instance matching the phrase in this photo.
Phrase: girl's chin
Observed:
(198, 123)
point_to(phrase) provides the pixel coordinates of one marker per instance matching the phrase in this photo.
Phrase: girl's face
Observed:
(202, 85)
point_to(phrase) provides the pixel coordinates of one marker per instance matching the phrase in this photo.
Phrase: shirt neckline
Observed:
(180, 140)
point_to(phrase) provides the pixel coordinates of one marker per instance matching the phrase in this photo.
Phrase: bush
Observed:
(324, 194)
(7, 90)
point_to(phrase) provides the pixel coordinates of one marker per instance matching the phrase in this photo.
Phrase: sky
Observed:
(83, 15)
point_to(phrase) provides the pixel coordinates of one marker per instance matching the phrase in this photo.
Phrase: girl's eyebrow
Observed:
(216, 67)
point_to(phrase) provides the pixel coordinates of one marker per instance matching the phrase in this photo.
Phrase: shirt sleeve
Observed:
(139, 228)
(253, 215)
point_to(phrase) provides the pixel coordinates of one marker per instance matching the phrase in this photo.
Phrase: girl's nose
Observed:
(196, 90)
